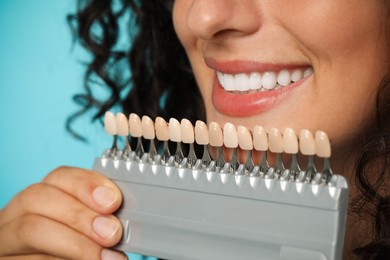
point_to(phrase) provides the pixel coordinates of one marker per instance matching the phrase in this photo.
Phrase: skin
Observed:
(59, 217)
(339, 44)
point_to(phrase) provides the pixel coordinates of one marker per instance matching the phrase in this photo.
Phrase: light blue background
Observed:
(39, 73)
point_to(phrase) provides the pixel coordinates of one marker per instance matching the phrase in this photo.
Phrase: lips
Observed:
(236, 94)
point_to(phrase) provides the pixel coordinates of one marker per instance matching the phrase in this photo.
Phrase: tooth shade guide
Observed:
(135, 125)
(260, 138)
(110, 123)
(201, 133)
(187, 131)
(306, 142)
(245, 141)
(275, 140)
(162, 131)
(122, 124)
(230, 138)
(148, 131)
(215, 134)
(290, 141)
(322, 143)
(174, 130)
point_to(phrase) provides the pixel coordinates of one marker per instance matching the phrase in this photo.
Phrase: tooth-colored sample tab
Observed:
(110, 123)
(275, 140)
(148, 128)
(122, 125)
(244, 138)
(290, 141)
(323, 149)
(260, 139)
(306, 142)
(230, 138)
(201, 133)
(187, 131)
(162, 132)
(135, 125)
(215, 134)
(174, 130)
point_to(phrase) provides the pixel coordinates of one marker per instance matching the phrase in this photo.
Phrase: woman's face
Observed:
(282, 63)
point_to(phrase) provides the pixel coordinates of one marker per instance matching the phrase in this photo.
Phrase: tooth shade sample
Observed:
(290, 141)
(135, 125)
(187, 131)
(260, 139)
(230, 138)
(162, 131)
(122, 125)
(110, 123)
(148, 128)
(201, 133)
(275, 140)
(322, 142)
(244, 138)
(174, 130)
(306, 143)
(215, 134)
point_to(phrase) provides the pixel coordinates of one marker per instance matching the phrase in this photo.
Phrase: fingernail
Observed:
(108, 254)
(105, 227)
(104, 197)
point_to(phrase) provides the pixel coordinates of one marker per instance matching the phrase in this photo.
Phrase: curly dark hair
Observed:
(162, 84)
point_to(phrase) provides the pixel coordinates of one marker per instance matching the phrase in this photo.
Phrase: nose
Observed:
(209, 18)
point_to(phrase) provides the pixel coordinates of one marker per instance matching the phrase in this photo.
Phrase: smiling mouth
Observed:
(265, 81)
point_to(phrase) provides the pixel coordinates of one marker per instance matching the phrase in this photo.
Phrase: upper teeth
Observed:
(261, 81)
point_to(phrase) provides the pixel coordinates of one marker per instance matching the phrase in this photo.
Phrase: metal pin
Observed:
(260, 143)
(275, 141)
(290, 143)
(188, 137)
(162, 134)
(230, 140)
(307, 147)
(246, 143)
(111, 129)
(202, 138)
(323, 150)
(175, 136)
(135, 128)
(216, 140)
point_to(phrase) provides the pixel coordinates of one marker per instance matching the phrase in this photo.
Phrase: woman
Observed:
(201, 58)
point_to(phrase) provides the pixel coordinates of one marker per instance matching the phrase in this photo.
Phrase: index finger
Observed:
(91, 188)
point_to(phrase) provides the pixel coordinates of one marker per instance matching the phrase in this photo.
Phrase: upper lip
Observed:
(242, 66)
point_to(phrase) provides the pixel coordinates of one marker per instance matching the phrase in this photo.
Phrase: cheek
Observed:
(179, 15)
(330, 27)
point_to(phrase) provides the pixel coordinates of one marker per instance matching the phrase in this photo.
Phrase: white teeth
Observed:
(241, 81)
(284, 78)
(296, 75)
(220, 79)
(228, 82)
(255, 81)
(268, 80)
(308, 72)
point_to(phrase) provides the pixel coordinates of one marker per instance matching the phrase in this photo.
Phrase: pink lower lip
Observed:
(244, 105)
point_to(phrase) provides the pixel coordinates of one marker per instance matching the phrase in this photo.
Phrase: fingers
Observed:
(91, 188)
(36, 234)
(68, 215)
(46, 200)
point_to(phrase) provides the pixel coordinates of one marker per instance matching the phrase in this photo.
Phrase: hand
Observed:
(67, 215)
